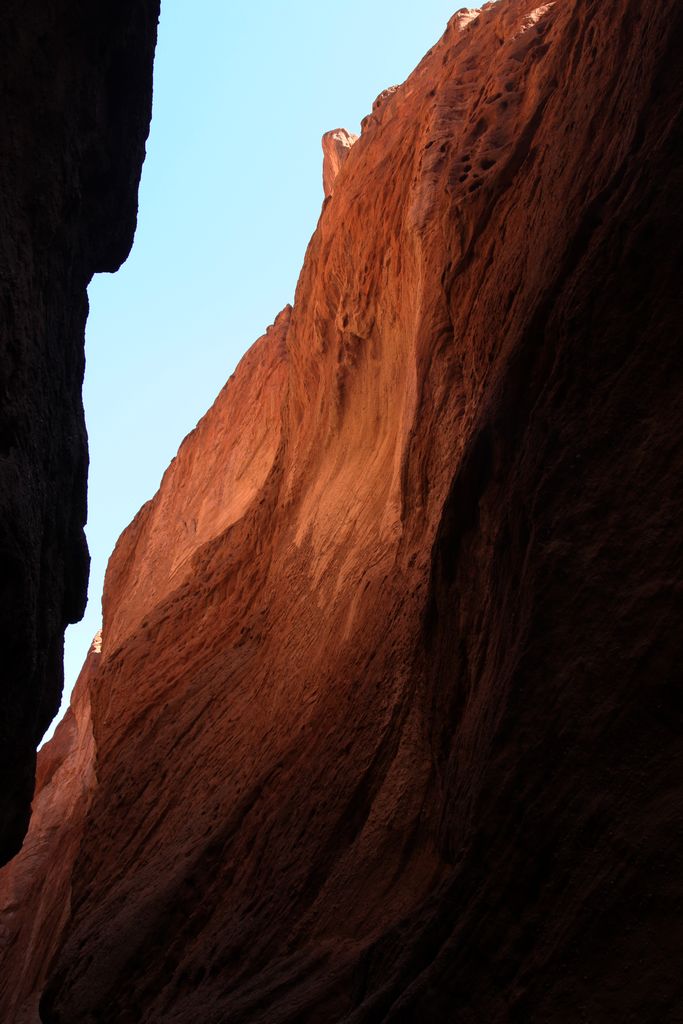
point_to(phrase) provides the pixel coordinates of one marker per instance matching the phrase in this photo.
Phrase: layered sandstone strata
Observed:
(384, 713)
(76, 95)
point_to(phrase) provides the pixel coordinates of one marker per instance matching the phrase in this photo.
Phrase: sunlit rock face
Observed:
(336, 147)
(76, 86)
(383, 720)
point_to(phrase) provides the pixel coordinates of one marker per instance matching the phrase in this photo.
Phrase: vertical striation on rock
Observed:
(385, 712)
(76, 94)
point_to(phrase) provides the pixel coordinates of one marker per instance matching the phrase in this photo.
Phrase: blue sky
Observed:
(231, 192)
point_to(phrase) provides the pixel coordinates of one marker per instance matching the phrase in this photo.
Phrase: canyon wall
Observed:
(76, 94)
(384, 723)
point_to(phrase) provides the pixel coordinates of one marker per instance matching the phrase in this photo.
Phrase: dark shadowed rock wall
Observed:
(75, 95)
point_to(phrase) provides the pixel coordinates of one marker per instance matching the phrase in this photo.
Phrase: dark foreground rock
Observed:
(75, 95)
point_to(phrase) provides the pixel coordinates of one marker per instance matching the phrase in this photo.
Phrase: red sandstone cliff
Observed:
(384, 714)
(76, 101)
(336, 147)
(35, 888)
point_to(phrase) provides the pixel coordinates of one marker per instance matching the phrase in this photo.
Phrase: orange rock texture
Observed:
(384, 720)
(35, 888)
(336, 147)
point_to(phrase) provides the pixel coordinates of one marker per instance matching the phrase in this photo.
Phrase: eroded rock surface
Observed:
(76, 95)
(35, 888)
(385, 714)
(336, 147)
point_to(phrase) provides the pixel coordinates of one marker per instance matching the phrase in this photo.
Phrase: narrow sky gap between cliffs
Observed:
(230, 195)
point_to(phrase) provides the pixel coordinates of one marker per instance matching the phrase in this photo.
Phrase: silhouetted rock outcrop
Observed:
(76, 96)
(385, 713)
